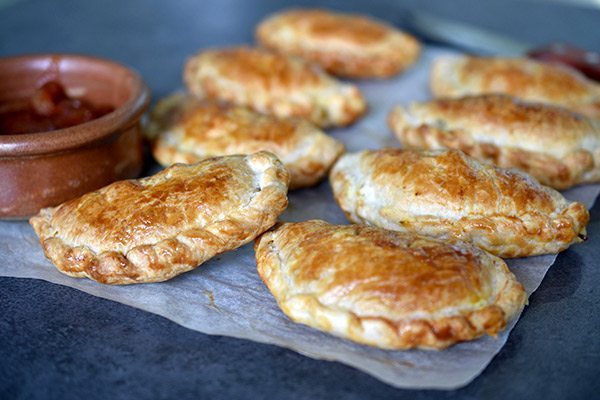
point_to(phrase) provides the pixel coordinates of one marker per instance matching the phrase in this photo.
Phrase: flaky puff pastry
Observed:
(448, 194)
(392, 290)
(155, 228)
(349, 45)
(187, 130)
(520, 77)
(556, 146)
(273, 83)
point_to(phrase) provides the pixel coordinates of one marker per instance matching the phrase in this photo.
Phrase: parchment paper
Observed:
(225, 296)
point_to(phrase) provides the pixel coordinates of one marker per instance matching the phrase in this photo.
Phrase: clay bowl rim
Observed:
(47, 142)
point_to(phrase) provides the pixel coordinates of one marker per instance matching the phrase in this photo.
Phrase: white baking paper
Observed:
(225, 296)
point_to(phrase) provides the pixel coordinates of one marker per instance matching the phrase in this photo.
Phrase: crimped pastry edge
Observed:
(173, 255)
(571, 221)
(577, 167)
(382, 332)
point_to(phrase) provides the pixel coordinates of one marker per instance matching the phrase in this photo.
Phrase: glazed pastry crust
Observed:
(556, 146)
(152, 229)
(448, 194)
(387, 289)
(187, 130)
(348, 45)
(524, 78)
(273, 83)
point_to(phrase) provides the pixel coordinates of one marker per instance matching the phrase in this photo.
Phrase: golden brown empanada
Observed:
(273, 83)
(393, 290)
(155, 228)
(187, 130)
(554, 145)
(520, 77)
(348, 45)
(446, 193)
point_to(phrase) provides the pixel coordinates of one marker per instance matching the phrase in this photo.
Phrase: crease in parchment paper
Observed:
(225, 296)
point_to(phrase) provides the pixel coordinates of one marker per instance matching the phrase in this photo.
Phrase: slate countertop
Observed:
(59, 343)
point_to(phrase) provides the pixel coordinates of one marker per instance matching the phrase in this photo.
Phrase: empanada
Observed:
(348, 45)
(155, 228)
(448, 194)
(520, 77)
(393, 290)
(554, 145)
(187, 130)
(273, 83)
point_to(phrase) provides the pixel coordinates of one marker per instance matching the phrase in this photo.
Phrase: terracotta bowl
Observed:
(45, 169)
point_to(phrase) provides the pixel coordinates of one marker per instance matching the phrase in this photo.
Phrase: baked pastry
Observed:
(556, 146)
(524, 78)
(349, 45)
(187, 130)
(274, 84)
(155, 228)
(393, 290)
(448, 194)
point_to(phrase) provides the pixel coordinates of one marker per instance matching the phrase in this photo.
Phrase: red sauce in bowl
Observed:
(49, 109)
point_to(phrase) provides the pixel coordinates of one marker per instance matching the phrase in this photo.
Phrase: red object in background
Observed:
(587, 62)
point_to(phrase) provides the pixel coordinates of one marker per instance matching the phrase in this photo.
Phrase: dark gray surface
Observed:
(58, 343)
